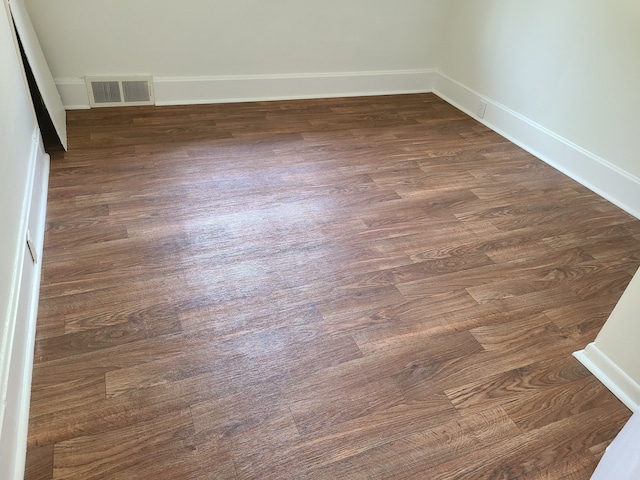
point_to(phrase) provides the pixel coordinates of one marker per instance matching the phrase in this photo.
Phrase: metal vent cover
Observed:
(106, 92)
(120, 91)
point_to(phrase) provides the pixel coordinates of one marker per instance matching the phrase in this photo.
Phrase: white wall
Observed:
(207, 40)
(23, 180)
(233, 37)
(571, 68)
(17, 128)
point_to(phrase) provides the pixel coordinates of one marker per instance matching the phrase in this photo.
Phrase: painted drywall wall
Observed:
(17, 128)
(194, 38)
(572, 67)
(208, 41)
(23, 187)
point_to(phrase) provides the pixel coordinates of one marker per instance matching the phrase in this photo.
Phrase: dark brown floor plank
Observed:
(372, 287)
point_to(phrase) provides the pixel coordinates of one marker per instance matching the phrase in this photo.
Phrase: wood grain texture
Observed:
(362, 288)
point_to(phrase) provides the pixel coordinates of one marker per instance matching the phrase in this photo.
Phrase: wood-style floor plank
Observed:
(362, 288)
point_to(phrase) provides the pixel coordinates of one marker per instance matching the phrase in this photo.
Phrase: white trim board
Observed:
(253, 88)
(602, 177)
(15, 421)
(40, 70)
(612, 376)
(73, 92)
(229, 89)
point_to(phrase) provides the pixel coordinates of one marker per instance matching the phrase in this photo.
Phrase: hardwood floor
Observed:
(323, 289)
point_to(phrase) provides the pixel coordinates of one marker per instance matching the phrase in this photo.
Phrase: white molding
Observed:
(602, 177)
(611, 375)
(249, 88)
(73, 92)
(15, 421)
(252, 88)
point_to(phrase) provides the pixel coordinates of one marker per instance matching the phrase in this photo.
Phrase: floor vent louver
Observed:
(119, 91)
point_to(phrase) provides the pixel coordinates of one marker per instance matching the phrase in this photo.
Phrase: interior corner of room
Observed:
(559, 79)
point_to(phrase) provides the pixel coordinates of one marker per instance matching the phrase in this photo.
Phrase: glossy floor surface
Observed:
(362, 288)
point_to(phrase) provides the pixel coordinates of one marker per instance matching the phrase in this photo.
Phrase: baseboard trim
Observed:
(612, 376)
(253, 88)
(229, 89)
(73, 92)
(610, 182)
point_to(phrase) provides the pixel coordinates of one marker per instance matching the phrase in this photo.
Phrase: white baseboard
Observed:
(612, 376)
(252, 88)
(227, 89)
(15, 420)
(73, 92)
(595, 173)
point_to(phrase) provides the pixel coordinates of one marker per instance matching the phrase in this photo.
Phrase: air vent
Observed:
(119, 91)
(106, 92)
